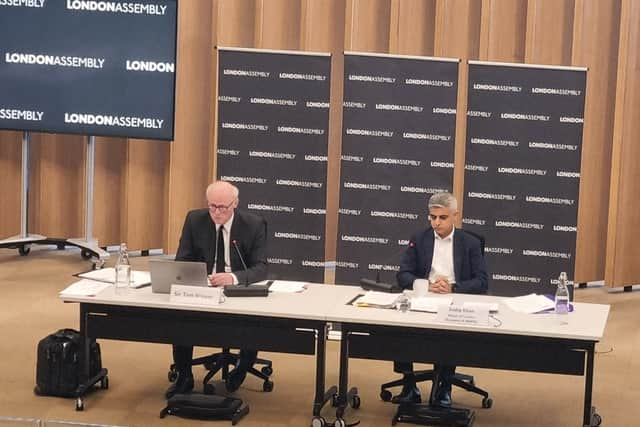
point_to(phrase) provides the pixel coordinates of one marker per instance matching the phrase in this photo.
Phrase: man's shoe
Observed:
(409, 394)
(443, 398)
(235, 378)
(183, 384)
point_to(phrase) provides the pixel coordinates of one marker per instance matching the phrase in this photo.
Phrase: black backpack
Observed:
(205, 406)
(58, 368)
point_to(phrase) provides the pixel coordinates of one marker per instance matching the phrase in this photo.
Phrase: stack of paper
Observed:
(429, 304)
(377, 299)
(108, 275)
(84, 288)
(532, 303)
(287, 286)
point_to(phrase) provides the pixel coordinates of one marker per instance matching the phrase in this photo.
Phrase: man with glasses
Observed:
(452, 261)
(225, 238)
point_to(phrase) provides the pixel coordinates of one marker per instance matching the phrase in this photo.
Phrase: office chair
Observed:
(221, 362)
(461, 380)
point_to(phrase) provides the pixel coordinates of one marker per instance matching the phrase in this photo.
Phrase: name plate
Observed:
(198, 295)
(478, 316)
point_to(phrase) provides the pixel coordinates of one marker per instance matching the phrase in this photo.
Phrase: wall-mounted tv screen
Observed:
(91, 67)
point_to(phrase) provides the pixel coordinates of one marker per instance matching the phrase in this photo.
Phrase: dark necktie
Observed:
(220, 251)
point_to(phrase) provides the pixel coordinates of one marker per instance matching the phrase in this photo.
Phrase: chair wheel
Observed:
(209, 389)
(340, 423)
(318, 422)
(385, 395)
(24, 250)
(104, 382)
(355, 401)
(172, 375)
(487, 402)
(267, 370)
(79, 404)
(85, 254)
(596, 420)
(267, 386)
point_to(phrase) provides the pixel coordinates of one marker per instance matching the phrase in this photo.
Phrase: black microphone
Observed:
(245, 290)
(379, 286)
(244, 264)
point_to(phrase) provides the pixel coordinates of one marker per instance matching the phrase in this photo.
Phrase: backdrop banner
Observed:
(88, 67)
(273, 121)
(522, 171)
(398, 137)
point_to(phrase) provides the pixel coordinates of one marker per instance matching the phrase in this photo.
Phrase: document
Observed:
(532, 303)
(85, 288)
(376, 299)
(492, 307)
(429, 304)
(108, 275)
(287, 286)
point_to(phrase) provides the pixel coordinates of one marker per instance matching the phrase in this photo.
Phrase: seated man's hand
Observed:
(440, 286)
(221, 279)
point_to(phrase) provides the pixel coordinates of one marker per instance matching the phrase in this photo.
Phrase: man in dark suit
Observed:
(452, 261)
(225, 238)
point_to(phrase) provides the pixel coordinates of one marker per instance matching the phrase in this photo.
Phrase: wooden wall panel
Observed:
(595, 45)
(549, 32)
(412, 25)
(367, 25)
(10, 183)
(322, 30)
(144, 194)
(188, 171)
(235, 23)
(622, 266)
(457, 29)
(108, 193)
(278, 24)
(56, 196)
(503, 30)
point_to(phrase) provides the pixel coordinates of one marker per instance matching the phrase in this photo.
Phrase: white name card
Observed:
(198, 295)
(461, 315)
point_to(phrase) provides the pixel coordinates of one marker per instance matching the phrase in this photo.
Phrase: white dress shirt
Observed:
(442, 262)
(226, 235)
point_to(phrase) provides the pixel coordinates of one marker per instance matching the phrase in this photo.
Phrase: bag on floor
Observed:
(58, 366)
(205, 407)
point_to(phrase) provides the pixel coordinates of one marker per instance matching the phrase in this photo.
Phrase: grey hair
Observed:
(443, 200)
(220, 183)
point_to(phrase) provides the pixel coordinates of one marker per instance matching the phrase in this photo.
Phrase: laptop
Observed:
(165, 273)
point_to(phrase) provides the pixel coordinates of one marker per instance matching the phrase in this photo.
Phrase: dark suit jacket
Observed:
(469, 266)
(198, 243)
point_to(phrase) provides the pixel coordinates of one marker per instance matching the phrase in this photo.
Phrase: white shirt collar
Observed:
(446, 238)
(227, 225)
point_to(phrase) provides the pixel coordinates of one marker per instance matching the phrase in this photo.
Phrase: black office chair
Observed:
(221, 362)
(463, 381)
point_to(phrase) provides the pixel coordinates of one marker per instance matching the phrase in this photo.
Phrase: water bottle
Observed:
(562, 295)
(403, 303)
(123, 270)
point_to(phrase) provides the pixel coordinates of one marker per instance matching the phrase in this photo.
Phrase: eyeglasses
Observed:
(221, 208)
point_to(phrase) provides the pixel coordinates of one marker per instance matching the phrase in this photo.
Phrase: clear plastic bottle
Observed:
(403, 303)
(123, 271)
(562, 296)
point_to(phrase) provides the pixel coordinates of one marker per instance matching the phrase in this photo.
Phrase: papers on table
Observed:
(108, 275)
(85, 288)
(492, 307)
(287, 286)
(532, 303)
(429, 304)
(376, 299)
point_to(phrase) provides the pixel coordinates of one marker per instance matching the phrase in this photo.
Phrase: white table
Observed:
(515, 341)
(289, 323)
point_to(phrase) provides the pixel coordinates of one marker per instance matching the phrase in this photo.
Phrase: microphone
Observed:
(379, 286)
(244, 264)
(245, 290)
